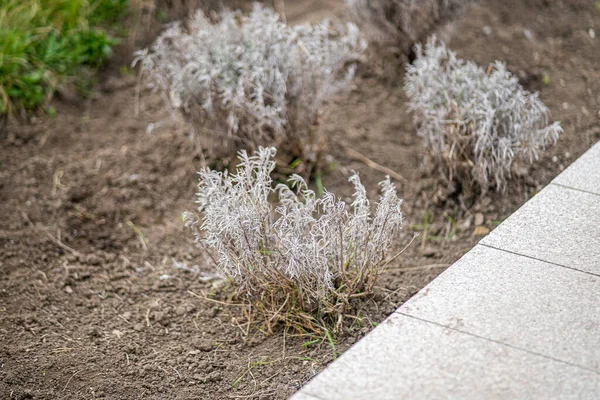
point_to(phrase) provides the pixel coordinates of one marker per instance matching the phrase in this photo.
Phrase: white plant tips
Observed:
(252, 80)
(475, 122)
(306, 256)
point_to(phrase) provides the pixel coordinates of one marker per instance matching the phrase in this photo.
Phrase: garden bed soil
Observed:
(99, 282)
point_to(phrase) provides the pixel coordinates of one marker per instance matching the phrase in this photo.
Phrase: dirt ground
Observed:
(99, 281)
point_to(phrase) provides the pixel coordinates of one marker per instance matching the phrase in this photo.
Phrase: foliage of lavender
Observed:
(404, 21)
(251, 79)
(475, 122)
(307, 252)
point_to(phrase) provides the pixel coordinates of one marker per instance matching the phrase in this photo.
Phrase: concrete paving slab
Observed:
(584, 173)
(516, 300)
(558, 225)
(517, 317)
(406, 358)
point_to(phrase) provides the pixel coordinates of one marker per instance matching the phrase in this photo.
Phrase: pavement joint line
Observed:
(498, 342)
(573, 188)
(312, 394)
(538, 259)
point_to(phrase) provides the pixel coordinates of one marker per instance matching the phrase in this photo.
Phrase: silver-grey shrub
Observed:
(403, 22)
(252, 80)
(303, 261)
(476, 122)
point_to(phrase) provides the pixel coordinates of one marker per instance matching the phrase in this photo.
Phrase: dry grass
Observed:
(476, 123)
(304, 263)
(252, 80)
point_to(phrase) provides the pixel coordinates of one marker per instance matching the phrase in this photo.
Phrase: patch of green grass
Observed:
(497, 222)
(546, 78)
(44, 43)
(428, 220)
(331, 342)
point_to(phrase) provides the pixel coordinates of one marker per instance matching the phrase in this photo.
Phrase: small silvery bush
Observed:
(476, 122)
(303, 261)
(252, 80)
(404, 22)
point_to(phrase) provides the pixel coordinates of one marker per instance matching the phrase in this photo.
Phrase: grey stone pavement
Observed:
(517, 317)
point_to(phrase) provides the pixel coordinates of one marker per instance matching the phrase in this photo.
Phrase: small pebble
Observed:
(203, 345)
(479, 219)
(93, 259)
(465, 225)
(429, 252)
(592, 33)
(481, 231)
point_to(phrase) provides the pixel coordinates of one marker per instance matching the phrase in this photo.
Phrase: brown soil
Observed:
(89, 308)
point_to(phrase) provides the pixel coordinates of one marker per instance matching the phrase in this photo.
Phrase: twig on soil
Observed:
(284, 336)
(194, 321)
(267, 392)
(147, 264)
(401, 251)
(140, 235)
(203, 297)
(373, 165)
(46, 135)
(238, 325)
(162, 369)
(126, 261)
(136, 105)
(62, 245)
(124, 319)
(58, 174)
(52, 238)
(270, 377)
(280, 8)
(251, 366)
(38, 292)
(65, 388)
(62, 350)
(199, 150)
(419, 268)
(392, 292)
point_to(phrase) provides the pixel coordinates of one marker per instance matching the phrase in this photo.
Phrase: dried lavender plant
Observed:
(303, 262)
(252, 80)
(403, 22)
(476, 122)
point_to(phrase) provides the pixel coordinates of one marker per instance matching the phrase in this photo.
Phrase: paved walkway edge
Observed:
(518, 316)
